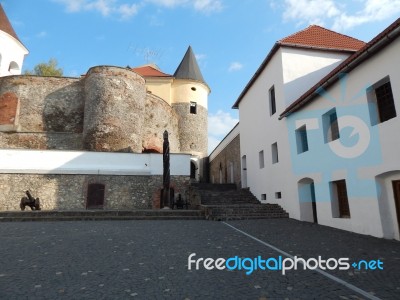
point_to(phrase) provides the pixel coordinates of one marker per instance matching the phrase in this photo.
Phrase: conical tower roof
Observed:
(188, 68)
(5, 24)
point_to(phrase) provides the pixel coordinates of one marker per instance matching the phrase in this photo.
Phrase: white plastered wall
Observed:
(11, 52)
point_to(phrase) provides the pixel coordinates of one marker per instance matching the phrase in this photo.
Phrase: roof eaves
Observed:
(275, 48)
(304, 46)
(256, 74)
(376, 44)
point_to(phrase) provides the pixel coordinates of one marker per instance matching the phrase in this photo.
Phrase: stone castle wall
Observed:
(220, 166)
(69, 192)
(159, 117)
(193, 136)
(108, 110)
(114, 104)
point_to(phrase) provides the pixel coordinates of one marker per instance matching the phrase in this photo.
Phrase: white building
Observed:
(318, 130)
(12, 51)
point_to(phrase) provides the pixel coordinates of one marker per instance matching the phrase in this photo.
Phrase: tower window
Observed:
(193, 108)
(193, 88)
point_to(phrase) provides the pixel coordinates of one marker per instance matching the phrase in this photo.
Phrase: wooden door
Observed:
(95, 196)
(396, 191)
(344, 210)
(313, 203)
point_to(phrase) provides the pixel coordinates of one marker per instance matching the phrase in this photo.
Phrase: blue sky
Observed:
(229, 37)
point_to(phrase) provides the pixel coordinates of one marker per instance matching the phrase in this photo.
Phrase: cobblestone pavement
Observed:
(149, 260)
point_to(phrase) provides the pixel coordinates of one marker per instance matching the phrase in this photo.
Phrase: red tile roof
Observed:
(374, 46)
(150, 71)
(5, 24)
(316, 36)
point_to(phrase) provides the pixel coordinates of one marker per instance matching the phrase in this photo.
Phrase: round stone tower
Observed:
(114, 105)
(189, 100)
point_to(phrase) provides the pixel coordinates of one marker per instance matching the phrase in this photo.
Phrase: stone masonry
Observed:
(221, 164)
(107, 110)
(69, 192)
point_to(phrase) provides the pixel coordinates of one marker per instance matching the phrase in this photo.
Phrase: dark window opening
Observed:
(261, 159)
(192, 170)
(274, 152)
(385, 101)
(331, 126)
(95, 196)
(301, 139)
(193, 108)
(193, 88)
(272, 102)
(278, 195)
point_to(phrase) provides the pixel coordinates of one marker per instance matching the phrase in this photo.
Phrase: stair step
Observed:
(220, 202)
(101, 215)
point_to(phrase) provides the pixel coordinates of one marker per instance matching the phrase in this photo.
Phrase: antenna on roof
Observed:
(148, 54)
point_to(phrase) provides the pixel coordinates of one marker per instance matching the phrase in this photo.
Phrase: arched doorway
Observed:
(192, 170)
(388, 189)
(307, 200)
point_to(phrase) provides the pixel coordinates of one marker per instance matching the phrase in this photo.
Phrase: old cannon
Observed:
(179, 203)
(33, 203)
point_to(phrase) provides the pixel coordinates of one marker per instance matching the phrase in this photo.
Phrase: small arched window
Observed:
(13, 68)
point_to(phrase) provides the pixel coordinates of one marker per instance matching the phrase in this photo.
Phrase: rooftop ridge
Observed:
(149, 70)
(316, 36)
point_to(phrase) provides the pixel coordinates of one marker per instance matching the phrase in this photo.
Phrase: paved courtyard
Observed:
(149, 260)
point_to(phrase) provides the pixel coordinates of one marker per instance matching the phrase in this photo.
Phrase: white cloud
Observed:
(205, 6)
(208, 6)
(235, 66)
(374, 10)
(72, 5)
(310, 11)
(104, 7)
(219, 125)
(41, 34)
(200, 56)
(337, 14)
(126, 11)
(168, 3)
(213, 143)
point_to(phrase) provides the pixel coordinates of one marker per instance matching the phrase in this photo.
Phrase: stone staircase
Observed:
(225, 202)
(98, 215)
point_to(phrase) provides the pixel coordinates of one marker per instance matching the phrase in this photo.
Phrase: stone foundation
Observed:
(69, 192)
